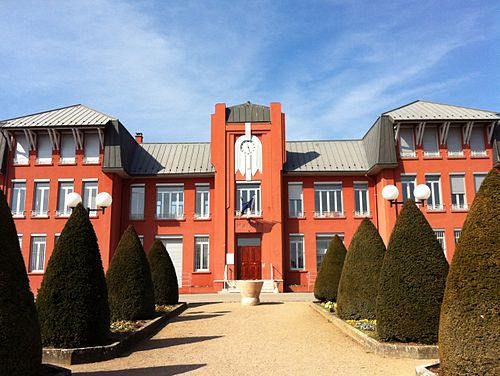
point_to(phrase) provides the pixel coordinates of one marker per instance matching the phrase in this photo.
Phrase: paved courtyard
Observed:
(225, 338)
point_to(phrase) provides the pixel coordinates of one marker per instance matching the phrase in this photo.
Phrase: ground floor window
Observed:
(440, 237)
(322, 243)
(201, 251)
(297, 252)
(37, 253)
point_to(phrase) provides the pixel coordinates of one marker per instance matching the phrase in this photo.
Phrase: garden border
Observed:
(424, 370)
(101, 353)
(393, 350)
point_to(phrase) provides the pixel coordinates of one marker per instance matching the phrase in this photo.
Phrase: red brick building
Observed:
(294, 195)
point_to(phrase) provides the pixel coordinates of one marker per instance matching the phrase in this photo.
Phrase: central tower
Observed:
(248, 153)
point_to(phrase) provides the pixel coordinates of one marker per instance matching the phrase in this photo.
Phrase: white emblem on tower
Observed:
(248, 154)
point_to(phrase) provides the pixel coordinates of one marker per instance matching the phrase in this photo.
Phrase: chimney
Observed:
(138, 137)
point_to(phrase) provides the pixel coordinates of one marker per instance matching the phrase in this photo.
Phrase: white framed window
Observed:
(322, 243)
(65, 188)
(141, 239)
(20, 240)
(295, 200)
(201, 253)
(21, 156)
(434, 201)
(454, 142)
(430, 142)
(92, 148)
(37, 253)
(456, 234)
(478, 180)
(457, 185)
(56, 238)
(41, 205)
(406, 142)
(408, 183)
(202, 204)
(440, 238)
(297, 252)
(90, 189)
(137, 196)
(361, 200)
(44, 149)
(248, 198)
(169, 201)
(328, 200)
(68, 149)
(18, 198)
(477, 147)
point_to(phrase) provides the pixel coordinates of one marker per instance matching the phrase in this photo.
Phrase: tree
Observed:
(130, 288)
(327, 281)
(412, 281)
(20, 343)
(166, 288)
(358, 284)
(72, 301)
(470, 323)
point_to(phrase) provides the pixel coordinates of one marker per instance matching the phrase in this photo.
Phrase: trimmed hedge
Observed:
(166, 288)
(358, 286)
(412, 281)
(469, 332)
(130, 288)
(327, 281)
(20, 343)
(72, 301)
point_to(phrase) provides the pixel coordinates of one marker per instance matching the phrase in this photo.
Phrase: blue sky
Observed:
(160, 66)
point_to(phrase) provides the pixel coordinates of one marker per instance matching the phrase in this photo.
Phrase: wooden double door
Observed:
(249, 262)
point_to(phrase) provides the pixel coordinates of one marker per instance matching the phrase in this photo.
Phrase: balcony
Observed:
(18, 213)
(478, 153)
(40, 213)
(329, 214)
(362, 214)
(63, 213)
(435, 207)
(171, 216)
(248, 213)
(455, 154)
(408, 154)
(431, 154)
(460, 207)
(136, 216)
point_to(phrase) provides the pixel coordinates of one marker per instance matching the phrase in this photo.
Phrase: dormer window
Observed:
(430, 142)
(44, 149)
(22, 150)
(406, 142)
(477, 147)
(454, 142)
(67, 148)
(92, 148)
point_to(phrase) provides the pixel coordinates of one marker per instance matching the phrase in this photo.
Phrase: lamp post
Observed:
(421, 192)
(102, 200)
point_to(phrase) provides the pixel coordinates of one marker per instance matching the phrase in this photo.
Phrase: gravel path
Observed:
(229, 339)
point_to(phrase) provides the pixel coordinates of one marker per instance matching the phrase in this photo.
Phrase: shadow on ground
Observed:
(195, 317)
(176, 369)
(160, 343)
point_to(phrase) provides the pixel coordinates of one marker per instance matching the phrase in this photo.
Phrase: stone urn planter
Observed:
(250, 291)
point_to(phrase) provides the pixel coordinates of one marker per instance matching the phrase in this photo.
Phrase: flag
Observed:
(247, 205)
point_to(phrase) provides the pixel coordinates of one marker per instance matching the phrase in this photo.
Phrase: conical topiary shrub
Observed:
(166, 288)
(327, 281)
(20, 344)
(412, 281)
(72, 301)
(358, 286)
(469, 331)
(130, 288)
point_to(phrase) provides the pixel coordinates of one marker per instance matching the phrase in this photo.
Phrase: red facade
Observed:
(303, 194)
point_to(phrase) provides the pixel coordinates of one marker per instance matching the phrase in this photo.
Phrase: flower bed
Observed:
(124, 334)
(368, 338)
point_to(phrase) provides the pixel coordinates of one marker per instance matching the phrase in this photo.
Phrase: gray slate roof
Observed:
(326, 156)
(425, 110)
(172, 158)
(71, 116)
(248, 112)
